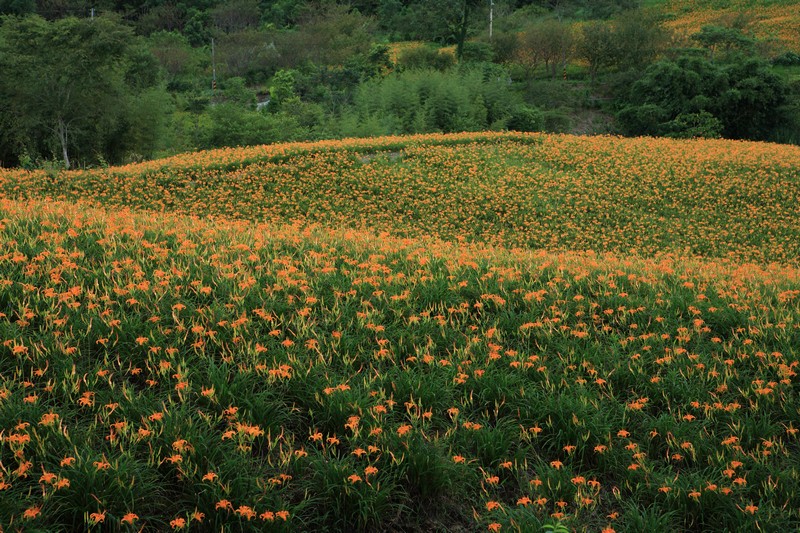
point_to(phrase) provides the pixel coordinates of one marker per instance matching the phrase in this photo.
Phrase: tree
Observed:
(585, 9)
(551, 42)
(752, 105)
(597, 46)
(173, 52)
(329, 35)
(639, 38)
(505, 46)
(723, 38)
(463, 28)
(667, 90)
(742, 99)
(248, 53)
(236, 15)
(282, 88)
(281, 13)
(17, 7)
(168, 16)
(603, 9)
(444, 22)
(66, 87)
(695, 125)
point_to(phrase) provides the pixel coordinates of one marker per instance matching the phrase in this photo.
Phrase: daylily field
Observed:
(472, 332)
(776, 22)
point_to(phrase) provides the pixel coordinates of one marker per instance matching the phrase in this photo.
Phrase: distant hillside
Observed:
(771, 20)
(643, 196)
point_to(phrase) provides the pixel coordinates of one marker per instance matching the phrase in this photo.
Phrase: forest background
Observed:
(118, 81)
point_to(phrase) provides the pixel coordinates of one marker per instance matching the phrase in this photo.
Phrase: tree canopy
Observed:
(71, 87)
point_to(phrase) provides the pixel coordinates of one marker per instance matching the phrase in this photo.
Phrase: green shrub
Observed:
(744, 97)
(557, 121)
(693, 125)
(476, 52)
(421, 101)
(787, 59)
(526, 118)
(425, 57)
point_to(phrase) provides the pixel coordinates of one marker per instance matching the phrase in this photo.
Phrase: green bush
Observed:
(425, 57)
(642, 119)
(476, 52)
(741, 99)
(694, 125)
(422, 101)
(787, 59)
(526, 118)
(504, 47)
(557, 121)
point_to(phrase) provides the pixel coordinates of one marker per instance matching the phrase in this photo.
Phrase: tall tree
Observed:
(328, 34)
(639, 39)
(550, 41)
(463, 28)
(597, 46)
(723, 38)
(65, 85)
(742, 99)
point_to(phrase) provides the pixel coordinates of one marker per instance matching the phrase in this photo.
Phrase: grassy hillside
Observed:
(641, 196)
(773, 20)
(275, 367)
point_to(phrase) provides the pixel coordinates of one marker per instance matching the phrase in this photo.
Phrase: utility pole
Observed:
(213, 69)
(491, 17)
(92, 12)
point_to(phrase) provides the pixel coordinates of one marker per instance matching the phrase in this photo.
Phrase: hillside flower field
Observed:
(775, 21)
(642, 196)
(471, 332)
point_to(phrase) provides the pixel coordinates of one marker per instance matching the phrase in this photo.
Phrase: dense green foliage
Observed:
(738, 100)
(76, 88)
(160, 78)
(421, 102)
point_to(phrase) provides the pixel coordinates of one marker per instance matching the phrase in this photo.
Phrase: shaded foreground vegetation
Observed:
(161, 370)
